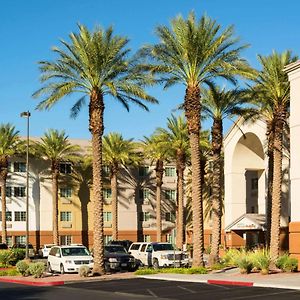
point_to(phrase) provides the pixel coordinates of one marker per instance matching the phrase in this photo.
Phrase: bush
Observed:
(244, 262)
(230, 256)
(22, 267)
(37, 269)
(9, 272)
(5, 256)
(16, 255)
(198, 270)
(261, 260)
(287, 263)
(84, 271)
(146, 272)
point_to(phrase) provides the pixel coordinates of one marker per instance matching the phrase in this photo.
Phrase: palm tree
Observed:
(155, 149)
(95, 64)
(177, 140)
(273, 90)
(195, 53)
(10, 144)
(56, 148)
(219, 104)
(117, 152)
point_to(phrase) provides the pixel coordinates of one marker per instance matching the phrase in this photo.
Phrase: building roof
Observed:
(248, 222)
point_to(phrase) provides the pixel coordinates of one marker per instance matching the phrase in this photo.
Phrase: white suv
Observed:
(69, 258)
(158, 255)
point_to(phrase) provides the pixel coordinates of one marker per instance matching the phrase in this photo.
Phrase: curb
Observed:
(32, 283)
(229, 282)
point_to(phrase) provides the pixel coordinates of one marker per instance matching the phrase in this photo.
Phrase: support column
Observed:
(293, 71)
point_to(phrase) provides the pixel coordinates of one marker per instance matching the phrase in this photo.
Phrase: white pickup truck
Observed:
(158, 255)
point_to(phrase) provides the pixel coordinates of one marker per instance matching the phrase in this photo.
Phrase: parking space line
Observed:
(186, 289)
(152, 293)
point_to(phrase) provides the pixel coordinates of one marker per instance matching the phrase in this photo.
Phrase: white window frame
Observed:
(20, 216)
(66, 216)
(170, 171)
(65, 192)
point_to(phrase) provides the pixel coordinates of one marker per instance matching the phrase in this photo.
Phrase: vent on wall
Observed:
(66, 225)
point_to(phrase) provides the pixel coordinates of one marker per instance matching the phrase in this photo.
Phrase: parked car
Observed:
(44, 251)
(68, 259)
(125, 243)
(31, 252)
(3, 246)
(117, 258)
(158, 255)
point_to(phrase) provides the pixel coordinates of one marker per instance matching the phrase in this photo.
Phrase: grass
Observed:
(9, 272)
(148, 271)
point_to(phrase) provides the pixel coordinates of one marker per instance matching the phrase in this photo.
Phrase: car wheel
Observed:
(49, 268)
(155, 264)
(62, 269)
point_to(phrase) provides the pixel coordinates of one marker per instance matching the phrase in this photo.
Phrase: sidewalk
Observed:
(233, 277)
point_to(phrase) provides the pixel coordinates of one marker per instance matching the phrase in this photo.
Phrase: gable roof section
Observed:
(248, 222)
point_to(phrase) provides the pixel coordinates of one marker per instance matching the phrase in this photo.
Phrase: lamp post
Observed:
(26, 114)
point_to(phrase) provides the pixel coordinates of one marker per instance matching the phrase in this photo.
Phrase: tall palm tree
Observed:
(10, 144)
(194, 53)
(155, 149)
(219, 104)
(56, 148)
(273, 89)
(117, 152)
(177, 140)
(97, 65)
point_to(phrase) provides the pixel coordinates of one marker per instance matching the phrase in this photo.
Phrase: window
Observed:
(254, 183)
(170, 171)
(8, 216)
(107, 193)
(20, 239)
(8, 191)
(143, 171)
(144, 194)
(147, 238)
(65, 192)
(19, 167)
(107, 216)
(170, 195)
(107, 239)
(143, 247)
(66, 216)
(9, 241)
(145, 216)
(65, 168)
(20, 216)
(65, 239)
(10, 167)
(19, 191)
(106, 171)
(170, 238)
(170, 217)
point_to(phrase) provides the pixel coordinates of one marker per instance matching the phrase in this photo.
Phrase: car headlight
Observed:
(112, 259)
(68, 261)
(164, 256)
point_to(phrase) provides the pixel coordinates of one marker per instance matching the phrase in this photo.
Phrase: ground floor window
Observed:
(147, 238)
(20, 239)
(9, 242)
(107, 239)
(66, 240)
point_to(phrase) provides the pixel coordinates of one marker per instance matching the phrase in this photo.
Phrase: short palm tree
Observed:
(56, 148)
(10, 144)
(273, 91)
(117, 152)
(219, 104)
(195, 53)
(95, 64)
(156, 150)
(177, 140)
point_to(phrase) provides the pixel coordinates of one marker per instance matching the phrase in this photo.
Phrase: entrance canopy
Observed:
(248, 222)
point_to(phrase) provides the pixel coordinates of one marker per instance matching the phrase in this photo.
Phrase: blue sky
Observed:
(30, 28)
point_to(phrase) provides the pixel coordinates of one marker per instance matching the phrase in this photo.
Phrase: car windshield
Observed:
(162, 247)
(115, 249)
(75, 251)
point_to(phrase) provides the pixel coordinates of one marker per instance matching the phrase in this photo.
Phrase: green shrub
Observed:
(16, 255)
(146, 272)
(287, 263)
(22, 267)
(84, 271)
(5, 257)
(230, 256)
(244, 263)
(261, 260)
(9, 272)
(198, 270)
(37, 269)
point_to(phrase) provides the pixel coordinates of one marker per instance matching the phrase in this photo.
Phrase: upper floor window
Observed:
(19, 191)
(145, 216)
(8, 191)
(107, 193)
(106, 170)
(143, 171)
(170, 171)
(107, 216)
(65, 192)
(170, 195)
(170, 217)
(66, 216)
(8, 216)
(20, 216)
(144, 194)
(19, 167)
(65, 168)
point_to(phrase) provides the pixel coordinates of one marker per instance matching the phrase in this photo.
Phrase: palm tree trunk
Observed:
(3, 212)
(96, 127)
(114, 195)
(159, 175)
(192, 108)
(180, 236)
(55, 174)
(276, 193)
(217, 141)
